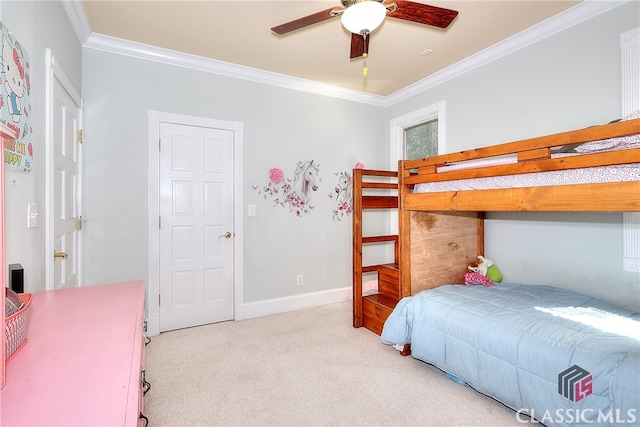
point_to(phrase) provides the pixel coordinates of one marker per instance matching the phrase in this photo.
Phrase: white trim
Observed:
(153, 274)
(399, 124)
(48, 155)
(78, 17)
(296, 302)
(581, 12)
(80, 189)
(630, 70)
(630, 60)
(194, 62)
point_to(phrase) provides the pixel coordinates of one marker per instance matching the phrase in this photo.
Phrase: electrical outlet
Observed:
(299, 280)
(631, 264)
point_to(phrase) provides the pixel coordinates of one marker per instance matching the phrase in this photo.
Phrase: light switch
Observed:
(32, 215)
(251, 210)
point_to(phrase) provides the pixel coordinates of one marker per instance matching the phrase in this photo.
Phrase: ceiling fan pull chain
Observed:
(365, 36)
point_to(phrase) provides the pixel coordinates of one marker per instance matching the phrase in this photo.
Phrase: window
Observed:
(418, 134)
(421, 141)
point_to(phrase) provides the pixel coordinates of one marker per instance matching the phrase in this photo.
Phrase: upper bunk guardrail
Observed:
(533, 155)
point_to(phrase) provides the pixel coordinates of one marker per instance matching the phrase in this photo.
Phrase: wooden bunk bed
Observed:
(377, 190)
(451, 223)
(458, 237)
(419, 210)
(477, 334)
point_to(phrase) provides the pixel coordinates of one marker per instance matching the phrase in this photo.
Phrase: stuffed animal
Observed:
(472, 278)
(486, 268)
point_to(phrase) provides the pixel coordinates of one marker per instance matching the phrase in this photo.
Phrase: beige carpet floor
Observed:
(304, 368)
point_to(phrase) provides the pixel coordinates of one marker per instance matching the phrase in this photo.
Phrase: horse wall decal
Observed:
(343, 196)
(293, 193)
(305, 179)
(344, 188)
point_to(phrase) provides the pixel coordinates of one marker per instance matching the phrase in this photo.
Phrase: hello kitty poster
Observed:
(15, 101)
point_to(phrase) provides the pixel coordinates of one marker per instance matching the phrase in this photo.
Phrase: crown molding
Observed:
(199, 63)
(78, 18)
(581, 12)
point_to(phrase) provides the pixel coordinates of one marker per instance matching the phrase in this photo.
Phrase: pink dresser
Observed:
(83, 362)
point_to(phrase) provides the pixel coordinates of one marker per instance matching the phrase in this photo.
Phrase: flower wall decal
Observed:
(293, 193)
(276, 175)
(343, 196)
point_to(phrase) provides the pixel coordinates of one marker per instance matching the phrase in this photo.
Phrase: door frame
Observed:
(53, 73)
(155, 118)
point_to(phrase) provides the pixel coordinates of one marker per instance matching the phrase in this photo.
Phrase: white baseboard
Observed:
(254, 309)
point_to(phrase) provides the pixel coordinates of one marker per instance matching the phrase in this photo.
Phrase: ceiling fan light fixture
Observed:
(363, 16)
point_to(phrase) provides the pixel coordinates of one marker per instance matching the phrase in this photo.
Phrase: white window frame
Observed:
(398, 126)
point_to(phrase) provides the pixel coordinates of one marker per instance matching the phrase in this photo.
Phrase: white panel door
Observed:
(196, 219)
(67, 222)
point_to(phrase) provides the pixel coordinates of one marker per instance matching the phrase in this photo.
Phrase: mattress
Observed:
(600, 174)
(559, 356)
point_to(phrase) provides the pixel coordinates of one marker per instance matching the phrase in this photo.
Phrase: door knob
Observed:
(60, 255)
(226, 235)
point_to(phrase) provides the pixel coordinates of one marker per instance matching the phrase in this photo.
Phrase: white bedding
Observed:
(604, 174)
(615, 173)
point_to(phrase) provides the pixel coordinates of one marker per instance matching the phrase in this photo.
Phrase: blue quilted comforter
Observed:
(559, 356)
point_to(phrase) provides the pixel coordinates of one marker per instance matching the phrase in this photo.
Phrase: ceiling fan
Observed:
(361, 17)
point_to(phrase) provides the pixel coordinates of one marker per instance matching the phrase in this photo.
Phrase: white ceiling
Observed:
(238, 32)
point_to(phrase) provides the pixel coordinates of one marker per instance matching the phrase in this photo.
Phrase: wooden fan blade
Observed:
(305, 21)
(423, 13)
(357, 45)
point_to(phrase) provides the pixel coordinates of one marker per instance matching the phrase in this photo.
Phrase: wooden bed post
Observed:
(404, 233)
(357, 248)
(481, 233)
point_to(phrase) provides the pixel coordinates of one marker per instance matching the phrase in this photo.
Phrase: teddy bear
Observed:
(484, 272)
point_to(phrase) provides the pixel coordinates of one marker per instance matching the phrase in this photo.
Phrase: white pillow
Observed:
(631, 141)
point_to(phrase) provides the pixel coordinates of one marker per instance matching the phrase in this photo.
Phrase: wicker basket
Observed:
(16, 328)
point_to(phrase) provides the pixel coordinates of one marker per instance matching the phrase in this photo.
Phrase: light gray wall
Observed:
(566, 81)
(37, 25)
(281, 127)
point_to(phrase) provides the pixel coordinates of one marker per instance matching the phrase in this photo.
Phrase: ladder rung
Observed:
(373, 172)
(375, 239)
(389, 185)
(380, 202)
(377, 267)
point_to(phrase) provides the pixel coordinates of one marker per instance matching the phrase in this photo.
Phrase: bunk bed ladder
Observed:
(371, 311)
